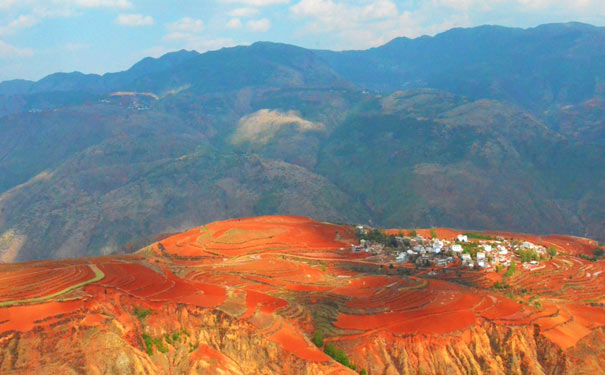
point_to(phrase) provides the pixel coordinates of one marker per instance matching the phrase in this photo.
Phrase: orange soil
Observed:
(263, 302)
(25, 318)
(260, 234)
(291, 340)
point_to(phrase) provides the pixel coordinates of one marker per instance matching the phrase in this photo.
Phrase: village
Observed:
(471, 250)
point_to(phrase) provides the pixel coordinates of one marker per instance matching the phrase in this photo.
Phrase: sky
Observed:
(40, 37)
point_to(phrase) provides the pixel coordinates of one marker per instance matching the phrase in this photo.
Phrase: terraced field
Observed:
(247, 295)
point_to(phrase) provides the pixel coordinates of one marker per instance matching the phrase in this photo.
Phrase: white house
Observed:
(457, 248)
(466, 258)
(502, 250)
(487, 248)
(437, 246)
(462, 238)
(401, 257)
(527, 245)
(480, 256)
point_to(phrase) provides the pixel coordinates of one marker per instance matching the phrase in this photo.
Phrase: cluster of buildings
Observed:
(475, 253)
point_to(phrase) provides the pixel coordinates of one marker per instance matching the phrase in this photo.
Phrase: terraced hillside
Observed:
(285, 295)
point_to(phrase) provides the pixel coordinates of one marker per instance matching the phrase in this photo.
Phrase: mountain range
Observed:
(486, 128)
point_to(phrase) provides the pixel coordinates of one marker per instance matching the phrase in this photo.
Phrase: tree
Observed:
(511, 269)
(412, 233)
(552, 251)
(330, 350)
(318, 339)
(433, 233)
(598, 252)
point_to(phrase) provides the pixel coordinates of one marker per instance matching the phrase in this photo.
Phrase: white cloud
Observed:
(187, 33)
(261, 25)
(339, 12)
(234, 23)
(117, 4)
(61, 5)
(194, 42)
(243, 12)
(134, 20)
(20, 23)
(8, 51)
(257, 3)
(187, 25)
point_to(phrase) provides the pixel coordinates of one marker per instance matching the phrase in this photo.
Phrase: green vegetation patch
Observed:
(318, 339)
(511, 269)
(479, 236)
(151, 342)
(141, 313)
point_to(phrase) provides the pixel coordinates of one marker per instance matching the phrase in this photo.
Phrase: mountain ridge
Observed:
(324, 144)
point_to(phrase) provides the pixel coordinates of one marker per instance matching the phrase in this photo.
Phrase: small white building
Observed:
(401, 257)
(462, 238)
(502, 250)
(487, 248)
(457, 248)
(481, 256)
(441, 262)
(528, 245)
(437, 246)
(466, 258)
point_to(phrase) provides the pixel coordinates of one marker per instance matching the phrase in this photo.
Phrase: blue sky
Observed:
(39, 37)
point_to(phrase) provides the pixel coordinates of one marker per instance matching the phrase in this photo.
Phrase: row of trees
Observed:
(336, 353)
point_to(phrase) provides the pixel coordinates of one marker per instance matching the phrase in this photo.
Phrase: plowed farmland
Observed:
(252, 296)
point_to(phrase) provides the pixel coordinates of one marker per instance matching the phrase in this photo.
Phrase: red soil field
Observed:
(263, 302)
(41, 279)
(274, 273)
(25, 318)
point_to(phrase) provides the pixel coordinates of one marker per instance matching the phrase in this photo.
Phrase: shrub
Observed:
(499, 285)
(363, 372)
(433, 233)
(511, 269)
(598, 252)
(338, 355)
(587, 257)
(141, 313)
(148, 343)
(318, 339)
(527, 255)
(412, 233)
(479, 236)
(373, 235)
(330, 350)
(552, 251)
